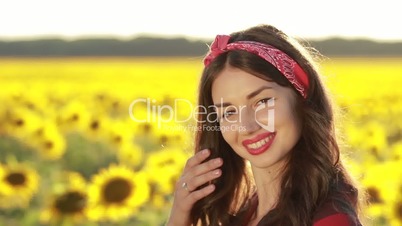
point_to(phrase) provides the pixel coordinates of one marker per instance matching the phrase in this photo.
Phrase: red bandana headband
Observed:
(280, 60)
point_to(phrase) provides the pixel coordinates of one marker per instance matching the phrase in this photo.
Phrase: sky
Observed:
(314, 19)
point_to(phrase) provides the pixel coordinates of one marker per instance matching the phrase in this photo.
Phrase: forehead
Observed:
(233, 81)
(233, 84)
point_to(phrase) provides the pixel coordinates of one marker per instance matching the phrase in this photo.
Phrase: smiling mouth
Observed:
(259, 144)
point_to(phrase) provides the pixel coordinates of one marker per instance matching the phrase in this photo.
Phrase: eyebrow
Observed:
(249, 96)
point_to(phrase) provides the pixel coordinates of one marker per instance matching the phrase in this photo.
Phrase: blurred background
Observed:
(98, 99)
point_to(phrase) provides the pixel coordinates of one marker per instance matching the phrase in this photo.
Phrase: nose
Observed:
(248, 123)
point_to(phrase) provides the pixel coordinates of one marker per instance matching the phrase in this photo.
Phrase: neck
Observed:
(268, 182)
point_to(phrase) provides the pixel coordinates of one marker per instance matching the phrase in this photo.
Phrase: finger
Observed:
(195, 182)
(205, 167)
(199, 194)
(198, 158)
(202, 173)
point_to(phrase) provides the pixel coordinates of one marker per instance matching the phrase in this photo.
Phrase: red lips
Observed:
(260, 143)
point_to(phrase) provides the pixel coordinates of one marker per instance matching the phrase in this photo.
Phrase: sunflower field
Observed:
(101, 141)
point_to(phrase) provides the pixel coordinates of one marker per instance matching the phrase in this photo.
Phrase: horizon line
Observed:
(173, 36)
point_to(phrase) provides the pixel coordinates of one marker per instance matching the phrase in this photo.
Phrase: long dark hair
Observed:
(314, 173)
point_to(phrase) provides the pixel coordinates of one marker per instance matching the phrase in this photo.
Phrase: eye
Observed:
(265, 100)
(228, 113)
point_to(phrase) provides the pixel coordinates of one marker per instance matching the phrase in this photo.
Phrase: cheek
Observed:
(228, 134)
(231, 137)
(290, 122)
(298, 128)
(266, 119)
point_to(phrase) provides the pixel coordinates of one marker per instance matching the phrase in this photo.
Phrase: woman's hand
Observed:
(195, 174)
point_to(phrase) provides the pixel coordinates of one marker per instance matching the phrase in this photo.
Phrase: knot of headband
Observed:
(280, 60)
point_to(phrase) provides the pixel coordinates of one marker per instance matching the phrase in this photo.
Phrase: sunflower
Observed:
(69, 203)
(397, 151)
(130, 154)
(376, 203)
(35, 101)
(73, 117)
(375, 139)
(393, 211)
(22, 122)
(164, 167)
(142, 119)
(67, 206)
(49, 141)
(97, 127)
(18, 184)
(172, 134)
(396, 215)
(3, 120)
(385, 193)
(118, 134)
(116, 193)
(105, 101)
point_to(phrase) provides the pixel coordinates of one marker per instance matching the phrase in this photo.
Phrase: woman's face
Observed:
(257, 117)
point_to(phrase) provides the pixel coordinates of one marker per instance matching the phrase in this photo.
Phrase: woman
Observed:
(275, 159)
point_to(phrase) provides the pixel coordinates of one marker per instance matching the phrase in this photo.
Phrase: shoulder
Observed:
(336, 219)
(331, 214)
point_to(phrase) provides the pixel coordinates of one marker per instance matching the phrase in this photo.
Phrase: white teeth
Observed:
(260, 143)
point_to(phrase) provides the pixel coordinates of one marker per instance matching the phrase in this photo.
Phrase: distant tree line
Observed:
(151, 46)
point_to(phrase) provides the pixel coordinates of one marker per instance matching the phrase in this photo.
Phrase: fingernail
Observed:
(205, 152)
(218, 161)
(216, 172)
